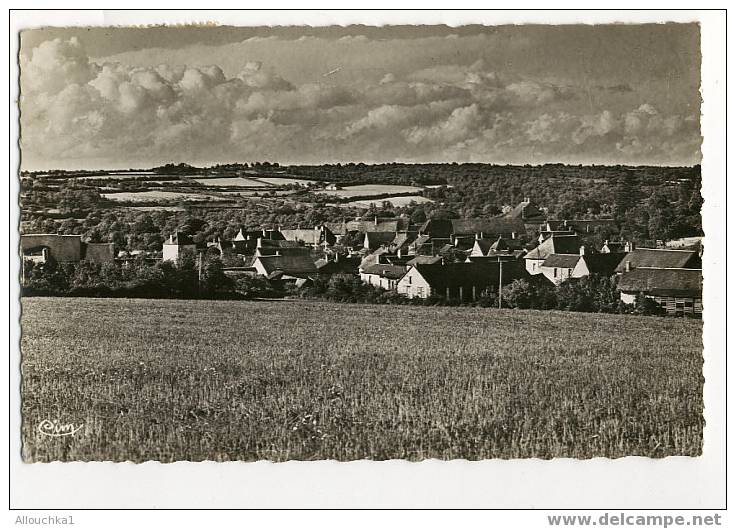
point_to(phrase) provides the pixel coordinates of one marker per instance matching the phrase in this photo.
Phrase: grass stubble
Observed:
(171, 380)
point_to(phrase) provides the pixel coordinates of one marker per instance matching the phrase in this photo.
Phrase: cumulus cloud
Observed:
(75, 109)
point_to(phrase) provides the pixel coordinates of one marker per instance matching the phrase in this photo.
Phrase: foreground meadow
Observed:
(231, 380)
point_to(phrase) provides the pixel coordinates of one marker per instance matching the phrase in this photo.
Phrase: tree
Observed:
(591, 293)
(215, 281)
(529, 294)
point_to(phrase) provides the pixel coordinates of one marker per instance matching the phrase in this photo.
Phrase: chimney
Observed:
(456, 242)
(629, 247)
(627, 266)
(478, 237)
(526, 199)
(263, 231)
(564, 223)
(250, 238)
(337, 257)
(513, 235)
(278, 254)
(375, 221)
(582, 249)
(398, 253)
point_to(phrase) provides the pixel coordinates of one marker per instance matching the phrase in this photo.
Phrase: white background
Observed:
(633, 482)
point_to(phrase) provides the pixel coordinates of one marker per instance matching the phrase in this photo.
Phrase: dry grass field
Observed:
(229, 380)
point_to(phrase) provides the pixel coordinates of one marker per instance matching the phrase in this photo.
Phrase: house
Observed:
(556, 244)
(484, 247)
(245, 242)
(614, 247)
(402, 241)
(286, 250)
(560, 267)
(545, 234)
(687, 243)
(659, 258)
(40, 247)
(678, 290)
(422, 245)
(338, 229)
(456, 281)
(333, 187)
(424, 259)
(581, 226)
(373, 240)
(528, 212)
(177, 246)
(393, 224)
(490, 228)
(318, 236)
(338, 264)
(289, 266)
(385, 276)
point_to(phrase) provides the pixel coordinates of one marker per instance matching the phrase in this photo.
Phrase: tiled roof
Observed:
(491, 227)
(270, 250)
(268, 243)
(569, 244)
(385, 270)
(561, 260)
(602, 263)
(179, 238)
(581, 226)
(381, 225)
(377, 238)
(681, 282)
(467, 274)
(615, 246)
(656, 258)
(289, 264)
(424, 259)
(527, 211)
(310, 236)
(484, 245)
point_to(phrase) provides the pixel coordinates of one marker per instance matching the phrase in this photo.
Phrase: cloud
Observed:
(74, 109)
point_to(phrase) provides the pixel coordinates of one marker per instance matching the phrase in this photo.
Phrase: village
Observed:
(457, 260)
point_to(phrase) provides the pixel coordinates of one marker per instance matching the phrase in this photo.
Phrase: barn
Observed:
(678, 290)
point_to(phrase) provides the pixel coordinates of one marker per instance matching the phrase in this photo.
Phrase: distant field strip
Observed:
(235, 181)
(278, 181)
(230, 380)
(395, 201)
(368, 190)
(153, 196)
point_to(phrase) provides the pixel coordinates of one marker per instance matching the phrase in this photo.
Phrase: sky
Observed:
(525, 94)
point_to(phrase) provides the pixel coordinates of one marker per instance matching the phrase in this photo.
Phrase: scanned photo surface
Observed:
(397, 242)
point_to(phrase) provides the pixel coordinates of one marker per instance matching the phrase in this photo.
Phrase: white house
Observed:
(177, 246)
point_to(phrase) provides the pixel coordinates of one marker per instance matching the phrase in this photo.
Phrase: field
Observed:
(282, 181)
(230, 182)
(232, 380)
(368, 190)
(395, 201)
(152, 196)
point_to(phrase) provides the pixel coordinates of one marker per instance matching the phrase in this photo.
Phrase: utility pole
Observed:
(500, 280)
(199, 272)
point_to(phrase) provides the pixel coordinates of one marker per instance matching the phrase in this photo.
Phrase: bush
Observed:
(529, 294)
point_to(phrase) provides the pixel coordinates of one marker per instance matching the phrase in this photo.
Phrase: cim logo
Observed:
(57, 429)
